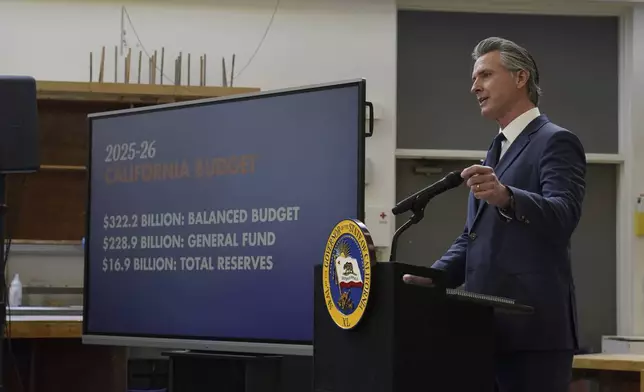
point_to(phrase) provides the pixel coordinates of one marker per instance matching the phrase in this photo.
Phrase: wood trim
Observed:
(44, 329)
(131, 93)
(44, 242)
(63, 167)
(616, 362)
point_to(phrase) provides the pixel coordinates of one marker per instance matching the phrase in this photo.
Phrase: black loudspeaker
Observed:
(19, 135)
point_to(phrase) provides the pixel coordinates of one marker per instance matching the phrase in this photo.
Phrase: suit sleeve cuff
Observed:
(508, 213)
(517, 203)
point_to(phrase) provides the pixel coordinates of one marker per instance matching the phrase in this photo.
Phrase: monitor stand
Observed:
(197, 371)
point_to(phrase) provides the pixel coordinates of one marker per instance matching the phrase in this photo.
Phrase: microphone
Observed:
(422, 197)
(417, 202)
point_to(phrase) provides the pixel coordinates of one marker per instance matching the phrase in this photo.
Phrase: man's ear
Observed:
(522, 77)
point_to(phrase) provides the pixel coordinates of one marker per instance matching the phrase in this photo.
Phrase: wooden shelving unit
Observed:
(48, 207)
(131, 93)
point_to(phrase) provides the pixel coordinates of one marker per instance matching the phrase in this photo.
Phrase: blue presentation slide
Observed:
(205, 220)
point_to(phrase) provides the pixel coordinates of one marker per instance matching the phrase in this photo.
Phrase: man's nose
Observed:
(475, 87)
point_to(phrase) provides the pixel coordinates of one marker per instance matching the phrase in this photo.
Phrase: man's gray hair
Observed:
(514, 58)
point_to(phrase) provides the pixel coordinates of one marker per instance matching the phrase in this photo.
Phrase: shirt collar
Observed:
(517, 125)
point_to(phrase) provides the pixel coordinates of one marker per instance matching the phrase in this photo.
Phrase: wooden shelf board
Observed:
(131, 93)
(22, 241)
(63, 167)
(616, 362)
(44, 329)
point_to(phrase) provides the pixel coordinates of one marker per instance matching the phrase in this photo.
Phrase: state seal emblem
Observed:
(346, 272)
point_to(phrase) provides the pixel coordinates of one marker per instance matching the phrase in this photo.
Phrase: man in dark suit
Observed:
(525, 202)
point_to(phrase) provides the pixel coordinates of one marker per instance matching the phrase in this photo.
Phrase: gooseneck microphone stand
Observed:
(418, 213)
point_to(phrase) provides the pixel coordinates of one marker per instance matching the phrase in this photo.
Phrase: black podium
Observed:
(411, 338)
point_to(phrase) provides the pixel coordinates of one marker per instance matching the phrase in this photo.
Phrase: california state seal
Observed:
(346, 272)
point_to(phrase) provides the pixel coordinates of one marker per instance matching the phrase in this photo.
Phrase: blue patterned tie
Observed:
(494, 153)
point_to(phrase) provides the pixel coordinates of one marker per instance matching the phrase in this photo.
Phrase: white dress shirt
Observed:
(514, 129)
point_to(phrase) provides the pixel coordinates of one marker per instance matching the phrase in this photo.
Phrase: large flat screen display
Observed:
(205, 219)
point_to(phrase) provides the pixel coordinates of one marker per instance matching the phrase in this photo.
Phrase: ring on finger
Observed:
(478, 187)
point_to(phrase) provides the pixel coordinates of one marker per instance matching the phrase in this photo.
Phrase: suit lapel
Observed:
(513, 152)
(510, 156)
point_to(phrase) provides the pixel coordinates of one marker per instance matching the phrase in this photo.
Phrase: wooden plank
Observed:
(63, 130)
(63, 167)
(616, 362)
(47, 205)
(44, 329)
(28, 241)
(132, 93)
